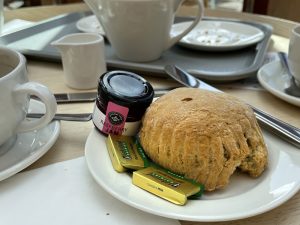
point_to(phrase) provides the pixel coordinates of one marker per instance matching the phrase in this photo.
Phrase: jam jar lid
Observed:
(125, 87)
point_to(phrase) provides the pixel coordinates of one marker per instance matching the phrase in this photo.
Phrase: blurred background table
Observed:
(71, 141)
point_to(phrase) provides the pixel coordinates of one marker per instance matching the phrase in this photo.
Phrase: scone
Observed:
(204, 135)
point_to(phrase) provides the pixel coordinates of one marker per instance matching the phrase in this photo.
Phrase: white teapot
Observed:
(140, 30)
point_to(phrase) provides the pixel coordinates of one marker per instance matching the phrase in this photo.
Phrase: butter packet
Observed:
(166, 184)
(126, 153)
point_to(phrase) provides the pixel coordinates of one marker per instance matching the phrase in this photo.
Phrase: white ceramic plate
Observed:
(244, 197)
(274, 78)
(218, 35)
(90, 24)
(28, 147)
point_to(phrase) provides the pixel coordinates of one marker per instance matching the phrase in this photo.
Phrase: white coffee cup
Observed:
(140, 30)
(15, 91)
(83, 59)
(294, 54)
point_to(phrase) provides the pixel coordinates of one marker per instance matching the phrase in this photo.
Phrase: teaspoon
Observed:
(80, 117)
(293, 89)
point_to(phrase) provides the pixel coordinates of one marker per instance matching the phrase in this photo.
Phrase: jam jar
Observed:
(122, 100)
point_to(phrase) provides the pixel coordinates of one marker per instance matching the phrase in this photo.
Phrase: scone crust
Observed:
(204, 135)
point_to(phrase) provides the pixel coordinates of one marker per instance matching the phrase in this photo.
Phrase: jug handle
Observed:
(173, 40)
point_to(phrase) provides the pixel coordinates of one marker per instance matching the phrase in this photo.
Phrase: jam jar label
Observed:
(114, 121)
(115, 118)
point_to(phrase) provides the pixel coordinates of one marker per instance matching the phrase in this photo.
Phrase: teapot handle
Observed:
(173, 40)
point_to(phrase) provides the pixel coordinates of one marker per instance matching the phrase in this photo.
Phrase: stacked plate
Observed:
(207, 35)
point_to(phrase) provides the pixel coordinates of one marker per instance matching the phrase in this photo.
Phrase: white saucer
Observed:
(218, 35)
(274, 78)
(28, 147)
(244, 197)
(90, 24)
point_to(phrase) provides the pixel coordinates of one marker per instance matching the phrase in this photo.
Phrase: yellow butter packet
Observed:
(125, 153)
(166, 184)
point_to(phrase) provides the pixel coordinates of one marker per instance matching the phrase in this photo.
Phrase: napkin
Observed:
(65, 193)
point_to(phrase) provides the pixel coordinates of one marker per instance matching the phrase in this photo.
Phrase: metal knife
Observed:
(284, 130)
(75, 97)
(91, 96)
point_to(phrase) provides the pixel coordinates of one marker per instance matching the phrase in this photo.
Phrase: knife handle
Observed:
(278, 127)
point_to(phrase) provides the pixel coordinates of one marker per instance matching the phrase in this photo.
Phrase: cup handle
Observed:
(173, 40)
(44, 94)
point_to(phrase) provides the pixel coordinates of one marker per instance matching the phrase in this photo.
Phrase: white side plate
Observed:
(218, 35)
(244, 197)
(274, 78)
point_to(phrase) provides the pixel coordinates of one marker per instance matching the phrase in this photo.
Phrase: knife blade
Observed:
(282, 129)
(75, 97)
